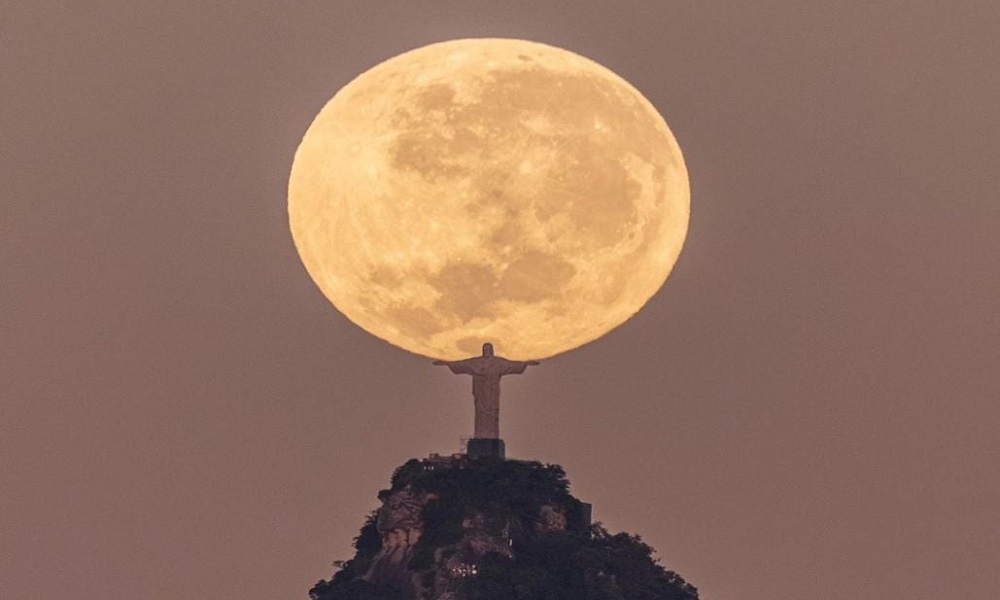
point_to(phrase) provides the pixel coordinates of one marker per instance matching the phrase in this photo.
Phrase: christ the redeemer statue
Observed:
(486, 371)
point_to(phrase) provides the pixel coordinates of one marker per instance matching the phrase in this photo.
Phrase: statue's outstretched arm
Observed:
(516, 368)
(459, 367)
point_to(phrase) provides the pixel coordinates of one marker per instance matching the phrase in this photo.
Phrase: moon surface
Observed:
(488, 190)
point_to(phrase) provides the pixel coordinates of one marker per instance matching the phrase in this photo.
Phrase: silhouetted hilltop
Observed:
(453, 528)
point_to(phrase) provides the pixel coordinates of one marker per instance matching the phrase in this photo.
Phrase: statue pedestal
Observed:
(486, 447)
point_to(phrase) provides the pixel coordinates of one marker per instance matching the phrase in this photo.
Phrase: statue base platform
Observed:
(485, 447)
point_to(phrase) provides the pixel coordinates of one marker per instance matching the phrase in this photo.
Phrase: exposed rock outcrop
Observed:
(399, 526)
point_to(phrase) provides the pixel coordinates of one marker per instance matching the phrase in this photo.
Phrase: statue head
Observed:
(487, 349)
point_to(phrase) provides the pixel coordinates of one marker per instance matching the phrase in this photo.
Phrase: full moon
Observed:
(488, 190)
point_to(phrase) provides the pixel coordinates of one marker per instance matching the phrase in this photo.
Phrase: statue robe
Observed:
(486, 372)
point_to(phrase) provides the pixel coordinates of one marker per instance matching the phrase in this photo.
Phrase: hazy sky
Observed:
(808, 410)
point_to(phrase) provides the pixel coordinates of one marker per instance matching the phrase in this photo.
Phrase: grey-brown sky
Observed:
(808, 410)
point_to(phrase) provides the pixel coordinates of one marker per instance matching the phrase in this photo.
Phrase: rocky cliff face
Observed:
(399, 527)
(458, 529)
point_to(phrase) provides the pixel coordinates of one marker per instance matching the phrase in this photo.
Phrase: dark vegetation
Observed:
(581, 563)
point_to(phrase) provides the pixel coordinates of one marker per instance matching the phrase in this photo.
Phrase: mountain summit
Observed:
(457, 528)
